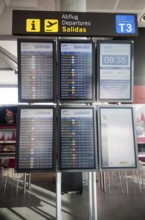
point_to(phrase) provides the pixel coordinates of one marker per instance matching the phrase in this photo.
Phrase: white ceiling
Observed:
(7, 73)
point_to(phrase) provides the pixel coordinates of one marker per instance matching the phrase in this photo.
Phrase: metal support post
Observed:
(90, 197)
(24, 187)
(29, 181)
(58, 195)
(94, 187)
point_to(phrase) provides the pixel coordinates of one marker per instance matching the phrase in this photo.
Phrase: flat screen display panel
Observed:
(77, 139)
(35, 139)
(35, 70)
(115, 70)
(117, 138)
(76, 70)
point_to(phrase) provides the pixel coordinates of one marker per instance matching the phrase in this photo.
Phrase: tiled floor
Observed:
(40, 203)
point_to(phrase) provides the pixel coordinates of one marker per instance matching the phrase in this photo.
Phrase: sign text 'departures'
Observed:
(73, 24)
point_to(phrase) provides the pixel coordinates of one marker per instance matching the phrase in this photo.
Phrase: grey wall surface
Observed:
(139, 58)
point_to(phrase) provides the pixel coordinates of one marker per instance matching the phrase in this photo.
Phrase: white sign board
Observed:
(117, 137)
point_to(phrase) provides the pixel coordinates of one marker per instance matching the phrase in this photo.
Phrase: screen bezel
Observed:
(101, 166)
(59, 140)
(19, 108)
(93, 70)
(19, 42)
(98, 89)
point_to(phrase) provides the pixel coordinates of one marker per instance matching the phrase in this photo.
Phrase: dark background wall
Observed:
(139, 58)
(139, 67)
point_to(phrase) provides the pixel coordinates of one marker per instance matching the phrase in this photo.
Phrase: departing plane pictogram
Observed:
(51, 25)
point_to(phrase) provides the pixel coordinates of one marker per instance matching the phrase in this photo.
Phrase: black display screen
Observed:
(36, 70)
(76, 70)
(35, 139)
(77, 141)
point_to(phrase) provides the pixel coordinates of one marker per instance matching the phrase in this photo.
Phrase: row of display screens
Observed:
(80, 140)
(81, 75)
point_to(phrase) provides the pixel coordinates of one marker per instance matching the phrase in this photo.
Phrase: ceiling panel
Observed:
(131, 5)
(8, 78)
(138, 5)
(8, 51)
(21, 3)
(2, 5)
(39, 5)
(96, 5)
(4, 65)
(46, 5)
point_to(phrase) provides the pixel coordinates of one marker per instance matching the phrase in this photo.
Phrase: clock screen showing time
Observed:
(115, 60)
(115, 70)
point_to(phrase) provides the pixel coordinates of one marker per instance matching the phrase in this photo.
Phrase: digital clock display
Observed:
(115, 70)
(115, 59)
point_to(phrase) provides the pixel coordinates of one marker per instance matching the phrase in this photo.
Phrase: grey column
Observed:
(73, 5)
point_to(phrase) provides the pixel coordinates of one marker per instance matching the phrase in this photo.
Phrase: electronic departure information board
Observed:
(115, 70)
(35, 139)
(36, 70)
(117, 137)
(77, 139)
(76, 60)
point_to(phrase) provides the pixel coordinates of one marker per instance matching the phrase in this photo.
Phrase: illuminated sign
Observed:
(73, 23)
(125, 24)
(51, 25)
(32, 25)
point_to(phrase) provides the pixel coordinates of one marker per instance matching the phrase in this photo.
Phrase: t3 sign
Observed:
(83, 24)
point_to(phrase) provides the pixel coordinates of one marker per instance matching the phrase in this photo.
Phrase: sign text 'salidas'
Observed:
(54, 23)
(71, 23)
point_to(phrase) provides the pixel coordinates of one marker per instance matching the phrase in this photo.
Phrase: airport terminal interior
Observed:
(96, 185)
